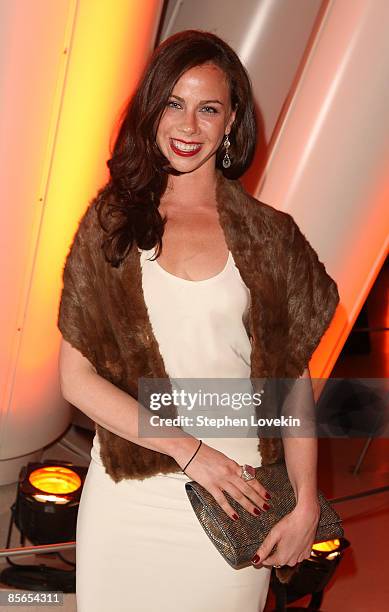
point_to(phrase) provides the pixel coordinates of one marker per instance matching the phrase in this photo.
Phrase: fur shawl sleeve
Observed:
(312, 298)
(78, 314)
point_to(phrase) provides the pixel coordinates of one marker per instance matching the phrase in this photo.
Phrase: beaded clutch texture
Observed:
(238, 541)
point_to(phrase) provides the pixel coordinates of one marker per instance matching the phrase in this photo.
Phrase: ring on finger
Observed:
(277, 566)
(248, 472)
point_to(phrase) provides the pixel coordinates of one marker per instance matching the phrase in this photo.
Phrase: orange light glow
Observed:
(66, 85)
(55, 479)
(328, 546)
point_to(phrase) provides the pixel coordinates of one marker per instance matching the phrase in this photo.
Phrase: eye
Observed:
(173, 104)
(210, 109)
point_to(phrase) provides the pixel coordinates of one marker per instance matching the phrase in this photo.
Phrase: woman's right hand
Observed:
(217, 473)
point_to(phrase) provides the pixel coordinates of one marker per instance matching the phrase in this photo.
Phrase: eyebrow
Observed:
(201, 101)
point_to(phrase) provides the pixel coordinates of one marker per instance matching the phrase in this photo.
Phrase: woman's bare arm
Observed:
(301, 452)
(119, 412)
(114, 409)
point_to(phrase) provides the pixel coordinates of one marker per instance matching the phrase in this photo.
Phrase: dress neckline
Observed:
(179, 279)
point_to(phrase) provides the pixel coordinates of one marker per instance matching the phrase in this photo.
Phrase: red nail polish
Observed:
(267, 495)
(266, 506)
(256, 511)
(255, 559)
(235, 517)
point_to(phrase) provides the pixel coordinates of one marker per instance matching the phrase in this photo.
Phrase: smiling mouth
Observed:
(184, 149)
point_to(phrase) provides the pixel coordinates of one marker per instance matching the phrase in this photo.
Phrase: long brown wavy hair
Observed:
(128, 204)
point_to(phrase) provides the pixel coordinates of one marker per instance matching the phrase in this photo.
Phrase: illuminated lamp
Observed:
(312, 576)
(45, 512)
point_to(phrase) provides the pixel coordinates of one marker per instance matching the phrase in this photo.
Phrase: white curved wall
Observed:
(329, 162)
(66, 69)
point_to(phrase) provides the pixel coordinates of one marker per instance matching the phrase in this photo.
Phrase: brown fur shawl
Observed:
(103, 313)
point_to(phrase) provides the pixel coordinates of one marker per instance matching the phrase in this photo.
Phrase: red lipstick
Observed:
(185, 153)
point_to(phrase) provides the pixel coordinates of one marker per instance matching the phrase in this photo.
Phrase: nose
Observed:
(189, 123)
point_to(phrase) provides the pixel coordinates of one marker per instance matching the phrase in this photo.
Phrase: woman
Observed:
(191, 312)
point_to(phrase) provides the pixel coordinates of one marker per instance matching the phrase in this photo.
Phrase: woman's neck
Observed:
(192, 190)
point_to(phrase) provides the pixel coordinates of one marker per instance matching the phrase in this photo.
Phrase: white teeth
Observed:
(185, 147)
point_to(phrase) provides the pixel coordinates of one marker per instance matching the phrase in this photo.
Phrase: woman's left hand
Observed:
(293, 535)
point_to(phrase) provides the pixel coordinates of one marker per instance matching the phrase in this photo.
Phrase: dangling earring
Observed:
(226, 158)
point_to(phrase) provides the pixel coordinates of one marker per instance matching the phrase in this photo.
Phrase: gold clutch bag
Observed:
(238, 541)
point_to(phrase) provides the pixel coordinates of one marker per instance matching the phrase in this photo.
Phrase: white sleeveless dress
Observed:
(140, 547)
